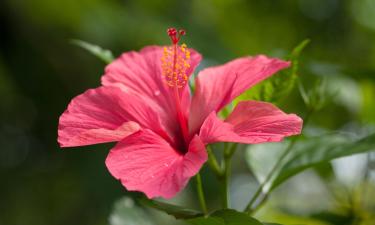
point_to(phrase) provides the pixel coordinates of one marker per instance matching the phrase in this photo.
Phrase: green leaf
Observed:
(272, 224)
(334, 218)
(225, 217)
(125, 212)
(277, 87)
(177, 211)
(314, 151)
(103, 54)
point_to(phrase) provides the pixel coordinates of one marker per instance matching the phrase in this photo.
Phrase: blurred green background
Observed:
(40, 71)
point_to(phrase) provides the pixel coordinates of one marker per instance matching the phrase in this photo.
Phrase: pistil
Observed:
(174, 66)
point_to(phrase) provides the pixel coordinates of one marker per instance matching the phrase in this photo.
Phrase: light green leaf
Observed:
(225, 217)
(125, 212)
(277, 87)
(177, 211)
(103, 54)
(315, 151)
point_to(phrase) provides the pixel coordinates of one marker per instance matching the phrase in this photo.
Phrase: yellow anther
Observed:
(174, 64)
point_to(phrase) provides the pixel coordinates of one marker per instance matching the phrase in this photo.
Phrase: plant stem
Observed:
(260, 204)
(225, 180)
(212, 162)
(365, 182)
(202, 200)
(269, 176)
(227, 164)
(249, 208)
(223, 172)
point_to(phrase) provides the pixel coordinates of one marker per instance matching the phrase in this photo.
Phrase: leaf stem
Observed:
(201, 197)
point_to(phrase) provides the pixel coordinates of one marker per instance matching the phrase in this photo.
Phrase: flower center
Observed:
(175, 60)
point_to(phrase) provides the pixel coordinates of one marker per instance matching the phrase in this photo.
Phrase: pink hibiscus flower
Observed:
(146, 106)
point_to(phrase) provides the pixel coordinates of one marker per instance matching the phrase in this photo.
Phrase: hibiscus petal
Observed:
(83, 135)
(218, 86)
(141, 73)
(147, 163)
(105, 114)
(251, 122)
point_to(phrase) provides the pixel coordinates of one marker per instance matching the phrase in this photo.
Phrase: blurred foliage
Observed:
(105, 55)
(125, 212)
(40, 71)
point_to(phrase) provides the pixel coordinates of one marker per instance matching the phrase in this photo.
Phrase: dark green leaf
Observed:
(103, 54)
(125, 212)
(272, 224)
(177, 211)
(225, 217)
(314, 151)
(334, 218)
(277, 87)
(324, 171)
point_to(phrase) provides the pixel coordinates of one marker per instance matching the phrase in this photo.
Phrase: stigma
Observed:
(175, 60)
